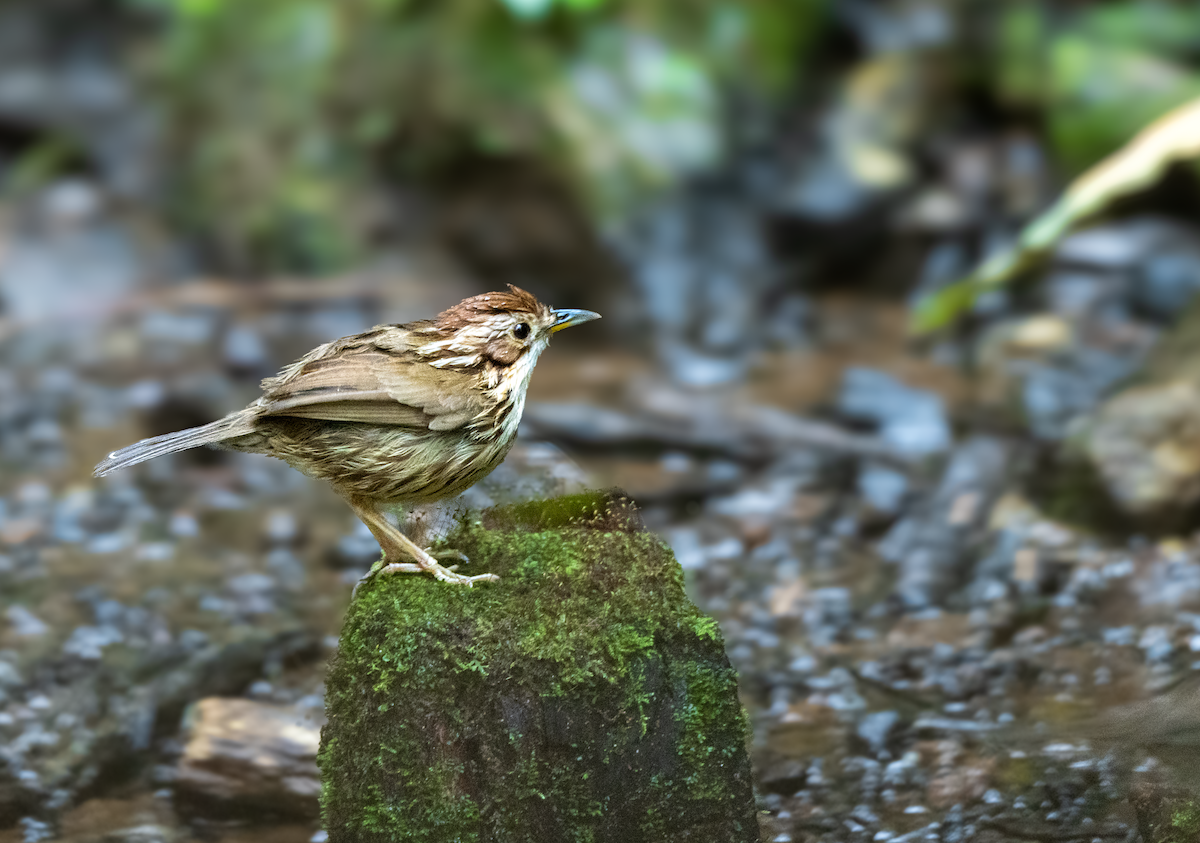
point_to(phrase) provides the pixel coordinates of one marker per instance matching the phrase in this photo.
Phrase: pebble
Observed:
(34, 830)
(242, 348)
(1117, 246)
(88, 642)
(903, 770)
(882, 487)
(1156, 642)
(912, 420)
(1166, 283)
(181, 330)
(155, 551)
(281, 526)
(109, 543)
(10, 677)
(24, 623)
(253, 594)
(876, 729)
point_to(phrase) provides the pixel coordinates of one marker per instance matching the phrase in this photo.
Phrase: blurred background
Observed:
(918, 416)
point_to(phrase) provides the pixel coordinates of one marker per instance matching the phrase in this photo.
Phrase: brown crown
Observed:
(488, 304)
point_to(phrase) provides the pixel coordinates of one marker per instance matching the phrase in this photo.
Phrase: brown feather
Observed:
(478, 307)
(366, 385)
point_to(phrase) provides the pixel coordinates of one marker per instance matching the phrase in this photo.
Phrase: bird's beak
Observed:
(566, 318)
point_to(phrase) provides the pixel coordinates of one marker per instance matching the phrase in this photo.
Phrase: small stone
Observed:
(35, 830)
(876, 728)
(784, 777)
(883, 488)
(88, 642)
(912, 420)
(1141, 444)
(1167, 283)
(10, 677)
(24, 623)
(281, 527)
(243, 349)
(184, 525)
(253, 594)
(148, 833)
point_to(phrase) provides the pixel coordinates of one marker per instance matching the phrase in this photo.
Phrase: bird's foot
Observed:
(430, 565)
(448, 573)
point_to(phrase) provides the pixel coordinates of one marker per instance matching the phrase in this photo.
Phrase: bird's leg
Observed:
(397, 545)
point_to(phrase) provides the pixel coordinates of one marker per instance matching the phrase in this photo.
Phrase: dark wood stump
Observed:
(582, 698)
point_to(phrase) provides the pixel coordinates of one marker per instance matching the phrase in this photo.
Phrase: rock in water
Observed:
(247, 758)
(1143, 443)
(582, 698)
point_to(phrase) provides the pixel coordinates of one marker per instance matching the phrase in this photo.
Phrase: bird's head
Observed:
(506, 329)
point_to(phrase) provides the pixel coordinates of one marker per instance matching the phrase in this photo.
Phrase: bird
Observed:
(400, 414)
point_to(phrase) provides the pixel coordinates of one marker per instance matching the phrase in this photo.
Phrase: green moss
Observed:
(581, 697)
(1185, 820)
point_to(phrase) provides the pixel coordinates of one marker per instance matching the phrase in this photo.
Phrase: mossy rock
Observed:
(1166, 814)
(582, 698)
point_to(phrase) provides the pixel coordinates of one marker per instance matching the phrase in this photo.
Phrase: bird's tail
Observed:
(221, 430)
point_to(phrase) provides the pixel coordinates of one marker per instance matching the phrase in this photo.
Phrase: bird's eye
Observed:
(521, 331)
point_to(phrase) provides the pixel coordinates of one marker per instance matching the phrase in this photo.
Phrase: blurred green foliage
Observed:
(284, 117)
(1097, 72)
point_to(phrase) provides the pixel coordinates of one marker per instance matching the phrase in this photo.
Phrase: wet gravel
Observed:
(928, 648)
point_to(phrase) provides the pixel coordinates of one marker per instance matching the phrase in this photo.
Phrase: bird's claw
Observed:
(439, 571)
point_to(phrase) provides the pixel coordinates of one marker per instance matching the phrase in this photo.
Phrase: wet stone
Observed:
(10, 677)
(784, 777)
(253, 594)
(883, 488)
(24, 623)
(876, 729)
(148, 833)
(281, 527)
(248, 759)
(1121, 245)
(828, 614)
(35, 831)
(88, 642)
(1166, 283)
(1053, 396)
(912, 420)
(930, 545)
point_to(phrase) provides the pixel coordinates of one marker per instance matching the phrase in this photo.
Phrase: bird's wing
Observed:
(365, 384)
